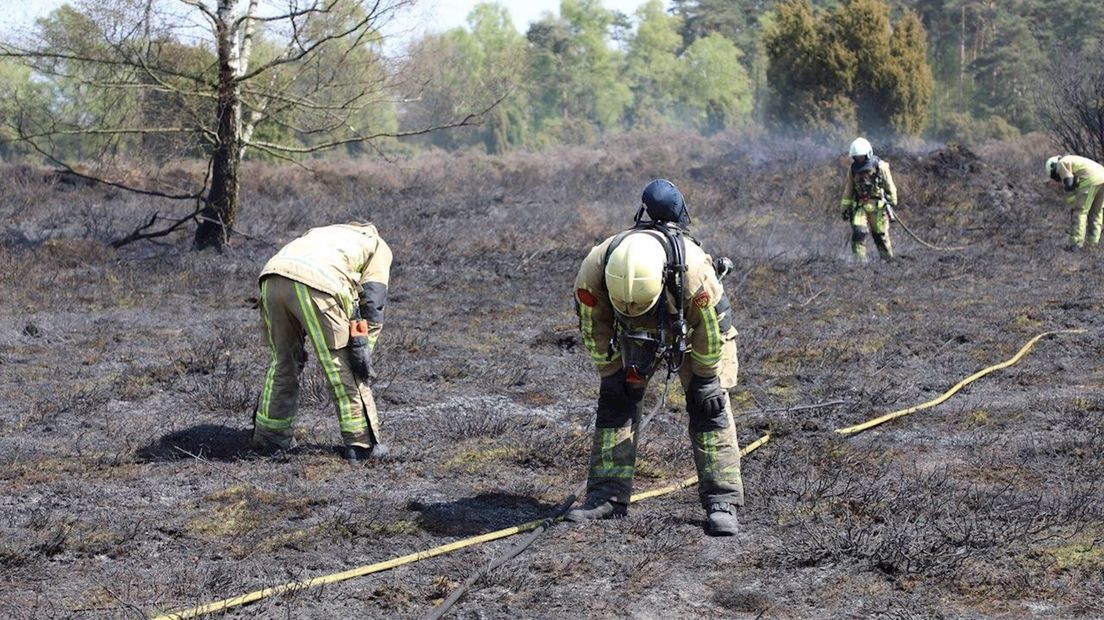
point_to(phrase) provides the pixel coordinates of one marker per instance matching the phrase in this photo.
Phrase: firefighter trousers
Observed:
(1087, 213)
(293, 313)
(870, 218)
(715, 448)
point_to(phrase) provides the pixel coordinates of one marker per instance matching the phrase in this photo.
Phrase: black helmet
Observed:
(663, 202)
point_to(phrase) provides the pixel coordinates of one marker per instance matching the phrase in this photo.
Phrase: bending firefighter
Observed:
(869, 198)
(328, 286)
(647, 296)
(1082, 179)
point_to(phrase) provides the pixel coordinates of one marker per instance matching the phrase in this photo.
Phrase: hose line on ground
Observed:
(561, 509)
(295, 586)
(858, 428)
(938, 248)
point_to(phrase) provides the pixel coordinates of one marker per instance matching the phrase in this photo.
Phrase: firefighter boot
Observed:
(270, 446)
(596, 508)
(884, 245)
(721, 520)
(358, 453)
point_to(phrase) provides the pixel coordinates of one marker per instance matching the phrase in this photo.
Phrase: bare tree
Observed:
(1071, 102)
(138, 83)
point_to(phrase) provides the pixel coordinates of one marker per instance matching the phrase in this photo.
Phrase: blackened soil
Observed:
(128, 380)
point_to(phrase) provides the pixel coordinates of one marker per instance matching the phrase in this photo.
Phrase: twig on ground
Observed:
(222, 470)
(831, 403)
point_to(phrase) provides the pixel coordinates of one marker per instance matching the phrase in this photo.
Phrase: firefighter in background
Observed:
(869, 198)
(328, 286)
(638, 294)
(1082, 179)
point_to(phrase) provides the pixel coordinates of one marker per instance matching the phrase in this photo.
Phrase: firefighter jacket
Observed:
(1083, 170)
(342, 260)
(881, 191)
(707, 311)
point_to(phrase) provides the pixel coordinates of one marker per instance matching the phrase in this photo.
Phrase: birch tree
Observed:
(213, 78)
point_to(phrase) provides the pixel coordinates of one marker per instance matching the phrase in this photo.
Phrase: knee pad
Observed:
(858, 234)
(706, 404)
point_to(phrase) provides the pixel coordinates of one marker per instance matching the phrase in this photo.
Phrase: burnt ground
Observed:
(128, 380)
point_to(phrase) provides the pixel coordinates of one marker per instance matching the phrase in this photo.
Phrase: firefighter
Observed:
(869, 198)
(638, 295)
(1082, 179)
(329, 286)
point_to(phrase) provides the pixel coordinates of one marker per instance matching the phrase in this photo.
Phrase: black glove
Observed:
(705, 397)
(846, 214)
(360, 357)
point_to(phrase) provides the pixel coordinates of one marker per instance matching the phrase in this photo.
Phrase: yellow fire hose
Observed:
(295, 586)
(858, 428)
(932, 246)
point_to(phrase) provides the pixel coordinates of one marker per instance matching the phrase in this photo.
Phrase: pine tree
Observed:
(848, 69)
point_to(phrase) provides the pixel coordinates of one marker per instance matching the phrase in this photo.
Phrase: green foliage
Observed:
(21, 102)
(716, 89)
(576, 79)
(653, 67)
(911, 84)
(342, 79)
(990, 57)
(848, 68)
(461, 68)
(965, 129)
(806, 92)
(829, 66)
(1005, 75)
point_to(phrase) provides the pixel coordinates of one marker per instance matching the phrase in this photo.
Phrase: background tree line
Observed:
(947, 69)
(101, 84)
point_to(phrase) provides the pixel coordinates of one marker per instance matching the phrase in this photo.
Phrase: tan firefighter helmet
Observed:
(634, 273)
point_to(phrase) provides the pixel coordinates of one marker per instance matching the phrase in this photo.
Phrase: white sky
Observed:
(435, 15)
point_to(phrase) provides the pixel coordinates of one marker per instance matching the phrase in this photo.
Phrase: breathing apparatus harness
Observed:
(868, 179)
(641, 348)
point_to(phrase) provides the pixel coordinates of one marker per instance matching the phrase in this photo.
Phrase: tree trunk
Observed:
(217, 218)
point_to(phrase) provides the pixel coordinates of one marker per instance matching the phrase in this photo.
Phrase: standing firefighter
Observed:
(330, 286)
(646, 296)
(869, 197)
(1082, 179)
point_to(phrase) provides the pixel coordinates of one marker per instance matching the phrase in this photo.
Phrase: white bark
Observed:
(255, 115)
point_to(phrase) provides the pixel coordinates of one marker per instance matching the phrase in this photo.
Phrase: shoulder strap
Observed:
(617, 239)
(675, 285)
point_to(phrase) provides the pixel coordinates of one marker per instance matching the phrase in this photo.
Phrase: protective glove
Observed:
(722, 266)
(845, 215)
(360, 357)
(705, 396)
